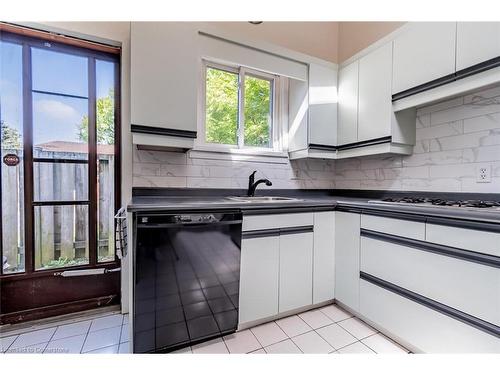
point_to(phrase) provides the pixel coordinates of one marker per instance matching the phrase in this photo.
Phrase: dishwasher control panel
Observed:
(195, 218)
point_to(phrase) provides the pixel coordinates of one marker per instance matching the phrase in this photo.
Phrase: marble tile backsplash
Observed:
(170, 169)
(454, 137)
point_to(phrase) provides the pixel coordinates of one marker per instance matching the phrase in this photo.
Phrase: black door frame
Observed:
(34, 294)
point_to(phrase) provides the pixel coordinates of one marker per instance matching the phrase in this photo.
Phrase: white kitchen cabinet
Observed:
(298, 113)
(348, 104)
(164, 77)
(323, 104)
(398, 227)
(424, 52)
(374, 103)
(347, 243)
(259, 278)
(464, 238)
(466, 286)
(312, 113)
(419, 327)
(324, 257)
(295, 271)
(367, 124)
(287, 264)
(258, 222)
(477, 42)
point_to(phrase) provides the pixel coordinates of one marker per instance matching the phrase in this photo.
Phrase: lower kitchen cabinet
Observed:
(259, 278)
(295, 273)
(347, 243)
(421, 328)
(467, 286)
(434, 288)
(287, 264)
(324, 257)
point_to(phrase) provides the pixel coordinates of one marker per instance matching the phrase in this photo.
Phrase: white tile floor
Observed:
(325, 330)
(101, 334)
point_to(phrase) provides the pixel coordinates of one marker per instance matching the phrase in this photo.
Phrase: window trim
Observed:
(276, 138)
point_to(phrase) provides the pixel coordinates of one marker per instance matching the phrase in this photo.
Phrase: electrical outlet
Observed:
(483, 173)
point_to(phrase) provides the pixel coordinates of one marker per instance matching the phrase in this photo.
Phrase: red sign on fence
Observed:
(11, 160)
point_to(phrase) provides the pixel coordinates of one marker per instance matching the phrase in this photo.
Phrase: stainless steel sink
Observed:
(264, 199)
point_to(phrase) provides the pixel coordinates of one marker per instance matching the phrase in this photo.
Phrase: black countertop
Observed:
(199, 200)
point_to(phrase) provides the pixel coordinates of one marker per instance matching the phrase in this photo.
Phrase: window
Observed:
(239, 108)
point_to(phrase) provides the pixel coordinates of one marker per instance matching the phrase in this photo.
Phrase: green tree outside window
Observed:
(105, 121)
(11, 139)
(222, 99)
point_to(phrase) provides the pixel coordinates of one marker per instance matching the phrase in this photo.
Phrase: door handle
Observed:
(121, 233)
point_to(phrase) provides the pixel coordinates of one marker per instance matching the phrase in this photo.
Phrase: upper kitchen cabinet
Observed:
(367, 123)
(164, 82)
(477, 42)
(423, 53)
(312, 113)
(322, 105)
(348, 103)
(436, 61)
(298, 122)
(374, 101)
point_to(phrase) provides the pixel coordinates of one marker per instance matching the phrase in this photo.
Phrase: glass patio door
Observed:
(60, 158)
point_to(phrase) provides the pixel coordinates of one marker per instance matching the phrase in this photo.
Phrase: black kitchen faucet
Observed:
(252, 184)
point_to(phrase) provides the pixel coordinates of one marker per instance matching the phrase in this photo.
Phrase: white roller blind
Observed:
(217, 49)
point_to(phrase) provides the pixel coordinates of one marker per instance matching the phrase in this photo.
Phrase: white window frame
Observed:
(277, 128)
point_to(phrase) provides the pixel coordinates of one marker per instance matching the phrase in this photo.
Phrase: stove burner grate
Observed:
(444, 202)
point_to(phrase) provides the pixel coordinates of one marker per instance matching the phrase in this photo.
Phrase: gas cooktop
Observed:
(439, 202)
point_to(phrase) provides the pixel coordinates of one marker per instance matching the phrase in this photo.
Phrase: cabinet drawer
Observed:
(425, 329)
(467, 239)
(259, 222)
(466, 286)
(403, 228)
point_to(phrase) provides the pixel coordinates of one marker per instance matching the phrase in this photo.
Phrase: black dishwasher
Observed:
(186, 279)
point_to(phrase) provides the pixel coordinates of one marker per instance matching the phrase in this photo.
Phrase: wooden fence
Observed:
(60, 232)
